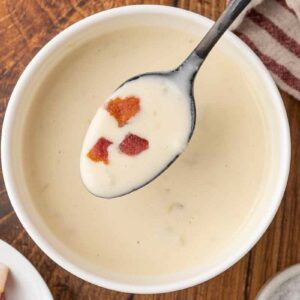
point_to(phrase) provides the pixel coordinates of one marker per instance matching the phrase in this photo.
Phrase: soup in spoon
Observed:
(134, 134)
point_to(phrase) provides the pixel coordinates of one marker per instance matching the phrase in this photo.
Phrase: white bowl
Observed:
(24, 282)
(275, 286)
(276, 123)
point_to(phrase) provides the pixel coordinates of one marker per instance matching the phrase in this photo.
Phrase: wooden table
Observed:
(25, 26)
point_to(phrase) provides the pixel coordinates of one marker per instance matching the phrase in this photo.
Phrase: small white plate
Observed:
(24, 282)
(275, 284)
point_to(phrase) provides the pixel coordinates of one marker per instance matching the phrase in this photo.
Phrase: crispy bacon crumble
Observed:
(99, 151)
(123, 109)
(133, 145)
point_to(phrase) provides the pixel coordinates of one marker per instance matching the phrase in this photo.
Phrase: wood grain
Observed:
(25, 26)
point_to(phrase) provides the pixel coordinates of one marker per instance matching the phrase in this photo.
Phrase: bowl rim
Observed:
(11, 186)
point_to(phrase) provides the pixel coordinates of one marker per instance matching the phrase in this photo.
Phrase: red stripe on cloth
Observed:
(276, 32)
(281, 71)
(283, 3)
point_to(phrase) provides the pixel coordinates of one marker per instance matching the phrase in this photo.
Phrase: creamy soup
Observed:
(194, 210)
(119, 155)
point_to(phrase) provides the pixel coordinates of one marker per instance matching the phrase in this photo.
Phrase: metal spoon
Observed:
(183, 76)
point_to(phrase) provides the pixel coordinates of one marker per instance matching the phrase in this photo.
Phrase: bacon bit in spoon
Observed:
(133, 144)
(123, 109)
(99, 151)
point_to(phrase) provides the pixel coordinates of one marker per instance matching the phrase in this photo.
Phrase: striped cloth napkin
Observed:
(272, 29)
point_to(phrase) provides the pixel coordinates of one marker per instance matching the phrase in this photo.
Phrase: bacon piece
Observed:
(99, 151)
(123, 109)
(133, 145)
(3, 278)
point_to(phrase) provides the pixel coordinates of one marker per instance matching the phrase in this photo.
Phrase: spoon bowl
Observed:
(162, 104)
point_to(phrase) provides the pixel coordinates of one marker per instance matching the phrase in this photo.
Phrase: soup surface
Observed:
(193, 211)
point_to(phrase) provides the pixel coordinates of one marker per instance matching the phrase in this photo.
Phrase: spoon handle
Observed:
(225, 20)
